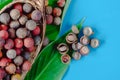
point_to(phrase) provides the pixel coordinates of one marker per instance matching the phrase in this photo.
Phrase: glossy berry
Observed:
(3, 34)
(57, 12)
(9, 44)
(18, 60)
(14, 24)
(21, 32)
(31, 25)
(37, 40)
(27, 8)
(28, 42)
(26, 66)
(48, 10)
(2, 73)
(23, 19)
(61, 3)
(4, 18)
(31, 49)
(18, 43)
(36, 31)
(11, 68)
(36, 15)
(57, 20)
(4, 62)
(11, 54)
(2, 42)
(19, 7)
(49, 19)
(11, 33)
(4, 27)
(15, 14)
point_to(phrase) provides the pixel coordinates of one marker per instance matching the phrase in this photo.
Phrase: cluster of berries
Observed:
(53, 14)
(20, 34)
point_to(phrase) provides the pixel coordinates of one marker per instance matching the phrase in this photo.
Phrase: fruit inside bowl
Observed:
(22, 29)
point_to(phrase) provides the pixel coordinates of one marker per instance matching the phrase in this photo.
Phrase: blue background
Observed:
(103, 16)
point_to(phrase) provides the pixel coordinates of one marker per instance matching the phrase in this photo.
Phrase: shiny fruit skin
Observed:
(9, 44)
(36, 31)
(3, 34)
(18, 43)
(28, 42)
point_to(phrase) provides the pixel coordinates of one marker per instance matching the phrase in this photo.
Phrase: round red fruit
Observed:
(3, 34)
(18, 43)
(26, 66)
(19, 7)
(57, 12)
(28, 42)
(49, 19)
(9, 44)
(4, 62)
(31, 49)
(4, 27)
(36, 31)
(61, 3)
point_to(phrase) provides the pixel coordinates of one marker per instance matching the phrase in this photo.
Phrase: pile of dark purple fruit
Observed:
(20, 33)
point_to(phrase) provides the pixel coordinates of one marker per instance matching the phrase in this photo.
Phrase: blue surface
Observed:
(103, 16)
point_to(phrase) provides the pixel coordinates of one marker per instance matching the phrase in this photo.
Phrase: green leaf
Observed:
(48, 65)
(52, 3)
(4, 3)
(52, 30)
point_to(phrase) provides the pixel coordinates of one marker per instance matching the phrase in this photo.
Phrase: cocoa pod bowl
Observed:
(22, 30)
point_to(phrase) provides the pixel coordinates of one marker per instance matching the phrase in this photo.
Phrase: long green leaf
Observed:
(52, 31)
